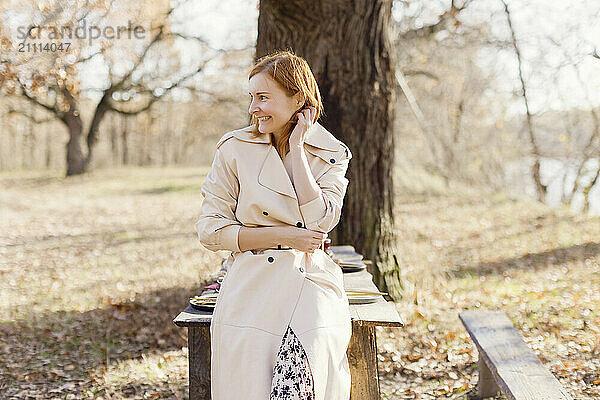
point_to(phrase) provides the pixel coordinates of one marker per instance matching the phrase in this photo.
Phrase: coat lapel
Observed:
(319, 142)
(274, 176)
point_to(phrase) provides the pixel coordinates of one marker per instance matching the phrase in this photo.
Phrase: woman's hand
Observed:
(302, 239)
(305, 121)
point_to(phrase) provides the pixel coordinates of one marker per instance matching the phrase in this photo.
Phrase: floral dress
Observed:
(292, 378)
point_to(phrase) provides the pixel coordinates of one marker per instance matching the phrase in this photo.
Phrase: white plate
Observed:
(363, 299)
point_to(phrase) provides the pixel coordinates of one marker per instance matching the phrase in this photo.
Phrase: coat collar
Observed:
(317, 136)
(273, 175)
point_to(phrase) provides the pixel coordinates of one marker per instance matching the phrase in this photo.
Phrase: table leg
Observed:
(362, 357)
(199, 362)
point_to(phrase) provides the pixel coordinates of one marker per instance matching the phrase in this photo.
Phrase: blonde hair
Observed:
(295, 76)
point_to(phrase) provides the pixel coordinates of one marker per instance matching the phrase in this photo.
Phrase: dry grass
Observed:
(463, 249)
(94, 268)
(92, 271)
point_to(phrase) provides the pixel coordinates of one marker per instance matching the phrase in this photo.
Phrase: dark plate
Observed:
(203, 308)
(199, 306)
(353, 269)
(364, 299)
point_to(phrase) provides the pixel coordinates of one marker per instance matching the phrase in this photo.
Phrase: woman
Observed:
(281, 325)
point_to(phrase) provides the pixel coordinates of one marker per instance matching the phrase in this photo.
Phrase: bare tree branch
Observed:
(430, 138)
(441, 24)
(413, 72)
(29, 116)
(541, 188)
(155, 98)
(89, 57)
(37, 102)
(48, 17)
(154, 40)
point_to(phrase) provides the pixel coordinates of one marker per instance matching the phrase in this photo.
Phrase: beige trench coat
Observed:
(265, 291)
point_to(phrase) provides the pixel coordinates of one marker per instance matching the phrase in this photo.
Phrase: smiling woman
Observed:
(281, 85)
(281, 325)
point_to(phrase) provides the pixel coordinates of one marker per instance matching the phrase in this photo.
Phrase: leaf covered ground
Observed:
(94, 268)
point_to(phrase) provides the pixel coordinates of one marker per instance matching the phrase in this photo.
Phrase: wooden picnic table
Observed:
(362, 349)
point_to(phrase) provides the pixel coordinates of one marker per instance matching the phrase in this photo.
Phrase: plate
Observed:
(342, 249)
(346, 257)
(353, 269)
(352, 264)
(201, 303)
(363, 299)
(344, 253)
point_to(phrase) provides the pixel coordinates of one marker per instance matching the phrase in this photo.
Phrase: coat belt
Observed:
(279, 247)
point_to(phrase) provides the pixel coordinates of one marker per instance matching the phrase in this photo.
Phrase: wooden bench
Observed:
(362, 350)
(505, 363)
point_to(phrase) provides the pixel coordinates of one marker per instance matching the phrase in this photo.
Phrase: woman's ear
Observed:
(300, 101)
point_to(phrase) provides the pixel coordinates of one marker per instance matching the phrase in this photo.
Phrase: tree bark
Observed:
(587, 189)
(115, 125)
(48, 160)
(348, 49)
(124, 147)
(92, 136)
(75, 159)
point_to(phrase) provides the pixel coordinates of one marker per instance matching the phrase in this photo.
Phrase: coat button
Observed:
(301, 269)
(270, 259)
(299, 224)
(265, 213)
(332, 161)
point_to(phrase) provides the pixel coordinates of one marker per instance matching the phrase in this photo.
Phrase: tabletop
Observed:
(379, 313)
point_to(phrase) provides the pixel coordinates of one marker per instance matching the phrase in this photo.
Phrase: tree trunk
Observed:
(77, 162)
(13, 146)
(48, 161)
(347, 47)
(124, 148)
(75, 158)
(92, 136)
(541, 189)
(115, 122)
(30, 144)
(587, 189)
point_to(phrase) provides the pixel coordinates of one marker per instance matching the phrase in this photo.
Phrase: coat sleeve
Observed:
(217, 226)
(323, 213)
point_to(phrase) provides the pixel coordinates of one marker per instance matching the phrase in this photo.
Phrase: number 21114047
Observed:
(43, 47)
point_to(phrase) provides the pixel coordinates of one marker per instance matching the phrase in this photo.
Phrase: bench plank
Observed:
(517, 371)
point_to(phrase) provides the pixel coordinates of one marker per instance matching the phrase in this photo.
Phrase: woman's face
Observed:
(270, 103)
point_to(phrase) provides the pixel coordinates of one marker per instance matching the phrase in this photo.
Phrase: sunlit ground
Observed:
(93, 269)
